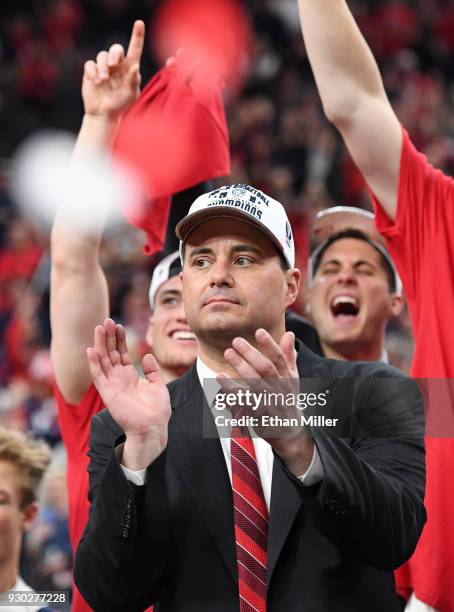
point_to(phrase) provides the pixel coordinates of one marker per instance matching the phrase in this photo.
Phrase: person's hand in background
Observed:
(112, 83)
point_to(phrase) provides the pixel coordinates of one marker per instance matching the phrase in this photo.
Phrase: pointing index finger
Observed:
(136, 43)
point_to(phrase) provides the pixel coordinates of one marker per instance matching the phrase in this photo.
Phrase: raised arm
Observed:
(79, 293)
(352, 94)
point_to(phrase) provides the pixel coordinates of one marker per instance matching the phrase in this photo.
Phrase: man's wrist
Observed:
(139, 451)
(102, 128)
(96, 133)
(296, 453)
(104, 121)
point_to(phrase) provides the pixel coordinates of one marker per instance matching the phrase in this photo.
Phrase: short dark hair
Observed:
(358, 235)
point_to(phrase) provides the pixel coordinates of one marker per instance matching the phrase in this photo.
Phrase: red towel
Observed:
(175, 136)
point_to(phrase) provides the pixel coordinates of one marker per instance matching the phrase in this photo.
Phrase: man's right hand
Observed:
(112, 83)
(140, 406)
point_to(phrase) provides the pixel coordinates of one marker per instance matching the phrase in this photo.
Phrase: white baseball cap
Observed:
(337, 218)
(168, 267)
(248, 204)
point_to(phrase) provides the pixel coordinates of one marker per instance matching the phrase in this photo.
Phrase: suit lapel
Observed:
(285, 501)
(284, 506)
(196, 451)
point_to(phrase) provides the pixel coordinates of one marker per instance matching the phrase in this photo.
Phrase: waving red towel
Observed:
(175, 136)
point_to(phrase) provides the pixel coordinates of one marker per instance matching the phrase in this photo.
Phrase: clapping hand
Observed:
(140, 406)
(271, 369)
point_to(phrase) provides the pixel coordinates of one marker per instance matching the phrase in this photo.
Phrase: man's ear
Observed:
(30, 514)
(397, 304)
(293, 279)
(150, 329)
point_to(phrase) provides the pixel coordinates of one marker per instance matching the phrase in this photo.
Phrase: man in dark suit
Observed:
(310, 515)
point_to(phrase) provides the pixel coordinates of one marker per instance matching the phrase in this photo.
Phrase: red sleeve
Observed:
(422, 215)
(75, 421)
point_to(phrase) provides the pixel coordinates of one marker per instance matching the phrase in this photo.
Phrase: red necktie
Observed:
(250, 521)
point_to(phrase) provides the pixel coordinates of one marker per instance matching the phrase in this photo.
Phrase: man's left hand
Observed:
(271, 369)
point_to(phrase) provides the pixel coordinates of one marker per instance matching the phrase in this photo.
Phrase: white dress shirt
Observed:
(263, 450)
(414, 605)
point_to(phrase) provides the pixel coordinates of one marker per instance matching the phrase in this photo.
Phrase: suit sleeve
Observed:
(370, 502)
(122, 556)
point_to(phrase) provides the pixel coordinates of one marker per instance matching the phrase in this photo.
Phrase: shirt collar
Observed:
(208, 381)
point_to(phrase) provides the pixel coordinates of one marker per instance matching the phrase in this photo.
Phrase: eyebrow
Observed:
(361, 262)
(238, 248)
(201, 251)
(169, 293)
(358, 263)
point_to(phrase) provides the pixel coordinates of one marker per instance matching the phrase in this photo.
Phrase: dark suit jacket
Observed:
(331, 546)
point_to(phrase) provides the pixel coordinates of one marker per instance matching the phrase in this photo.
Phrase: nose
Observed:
(221, 274)
(181, 313)
(347, 276)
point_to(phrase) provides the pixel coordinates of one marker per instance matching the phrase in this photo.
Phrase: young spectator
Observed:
(23, 462)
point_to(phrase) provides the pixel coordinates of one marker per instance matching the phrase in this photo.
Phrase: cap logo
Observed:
(241, 204)
(238, 192)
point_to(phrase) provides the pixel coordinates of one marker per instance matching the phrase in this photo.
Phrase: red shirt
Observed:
(421, 242)
(75, 421)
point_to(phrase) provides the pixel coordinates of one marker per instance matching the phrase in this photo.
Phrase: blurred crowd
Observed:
(280, 143)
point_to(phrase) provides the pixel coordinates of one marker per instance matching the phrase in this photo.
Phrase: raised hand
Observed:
(140, 406)
(112, 83)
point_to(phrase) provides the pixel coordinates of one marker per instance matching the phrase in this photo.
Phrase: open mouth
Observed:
(344, 306)
(183, 336)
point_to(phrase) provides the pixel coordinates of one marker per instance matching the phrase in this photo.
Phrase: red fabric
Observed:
(221, 36)
(74, 421)
(251, 523)
(421, 242)
(175, 136)
(19, 263)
